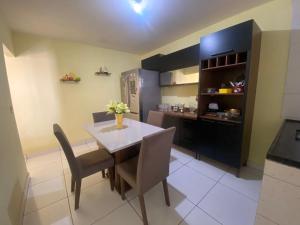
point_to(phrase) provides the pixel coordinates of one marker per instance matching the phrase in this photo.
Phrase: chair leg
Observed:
(77, 193)
(166, 192)
(111, 178)
(143, 209)
(72, 184)
(122, 183)
(103, 173)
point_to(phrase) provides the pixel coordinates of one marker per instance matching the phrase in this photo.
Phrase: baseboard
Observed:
(50, 150)
(24, 198)
(255, 165)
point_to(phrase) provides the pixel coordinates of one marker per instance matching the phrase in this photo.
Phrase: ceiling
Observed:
(113, 23)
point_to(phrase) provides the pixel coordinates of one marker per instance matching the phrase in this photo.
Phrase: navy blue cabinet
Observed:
(183, 58)
(237, 38)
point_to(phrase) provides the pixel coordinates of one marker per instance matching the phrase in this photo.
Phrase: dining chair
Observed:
(149, 168)
(85, 164)
(155, 118)
(101, 117)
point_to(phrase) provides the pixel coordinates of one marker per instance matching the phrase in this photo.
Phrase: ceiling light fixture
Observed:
(138, 5)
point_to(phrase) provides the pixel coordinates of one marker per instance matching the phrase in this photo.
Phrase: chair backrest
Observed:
(102, 116)
(61, 137)
(155, 118)
(154, 159)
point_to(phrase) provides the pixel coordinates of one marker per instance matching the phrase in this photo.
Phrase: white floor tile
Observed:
(181, 156)
(42, 160)
(158, 212)
(213, 171)
(124, 215)
(95, 202)
(191, 184)
(45, 193)
(81, 149)
(198, 217)
(248, 184)
(86, 182)
(174, 165)
(260, 220)
(55, 214)
(47, 172)
(228, 206)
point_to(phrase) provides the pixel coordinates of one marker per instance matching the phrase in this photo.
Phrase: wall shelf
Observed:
(220, 94)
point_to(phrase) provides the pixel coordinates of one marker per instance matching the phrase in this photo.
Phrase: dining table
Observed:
(122, 143)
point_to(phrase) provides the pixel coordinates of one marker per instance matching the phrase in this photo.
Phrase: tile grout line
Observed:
(110, 212)
(243, 194)
(134, 209)
(183, 219)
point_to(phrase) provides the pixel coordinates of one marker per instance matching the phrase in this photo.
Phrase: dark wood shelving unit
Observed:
(234, 57)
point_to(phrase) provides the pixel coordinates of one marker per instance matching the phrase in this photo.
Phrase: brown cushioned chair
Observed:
(101, 117)
(83, 165)
(149, 168)
(155, 118)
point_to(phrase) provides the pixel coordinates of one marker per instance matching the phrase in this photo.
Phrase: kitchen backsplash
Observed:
(185, 94)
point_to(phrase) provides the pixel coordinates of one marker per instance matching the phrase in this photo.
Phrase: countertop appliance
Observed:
(141, 92)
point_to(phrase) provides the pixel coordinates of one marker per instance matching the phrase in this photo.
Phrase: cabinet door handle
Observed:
(224, 52)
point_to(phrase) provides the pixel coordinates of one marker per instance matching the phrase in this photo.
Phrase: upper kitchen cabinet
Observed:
(152, 63)
(177, 60)
(237, 38)
(180, 59)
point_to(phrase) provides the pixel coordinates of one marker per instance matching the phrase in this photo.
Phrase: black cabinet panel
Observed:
(170, 121)
(181, 59)
(229, 143)
(206, 138)
(152, 63)
(220, 141)
(234, 39)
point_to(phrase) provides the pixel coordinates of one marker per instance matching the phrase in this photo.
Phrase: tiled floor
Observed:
(201, 193)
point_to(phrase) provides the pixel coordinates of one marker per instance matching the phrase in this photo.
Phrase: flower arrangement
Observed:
(117, 108)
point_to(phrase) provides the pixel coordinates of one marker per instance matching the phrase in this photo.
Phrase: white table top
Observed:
(114, 139)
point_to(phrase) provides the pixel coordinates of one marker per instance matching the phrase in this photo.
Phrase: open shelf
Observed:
(225, 61)
(216, 118)
(225, 66)
(221, 94)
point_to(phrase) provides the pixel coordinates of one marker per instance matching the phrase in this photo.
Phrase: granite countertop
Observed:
(285, 148)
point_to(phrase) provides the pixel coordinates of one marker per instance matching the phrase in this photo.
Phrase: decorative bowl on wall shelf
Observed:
(70, 78)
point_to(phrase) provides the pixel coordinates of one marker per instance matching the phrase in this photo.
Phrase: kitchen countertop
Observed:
(186, 115)
(285, 148)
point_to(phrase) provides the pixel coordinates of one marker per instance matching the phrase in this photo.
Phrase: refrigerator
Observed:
(140, 90)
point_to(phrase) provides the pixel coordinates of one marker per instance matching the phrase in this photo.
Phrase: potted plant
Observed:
(118, 108)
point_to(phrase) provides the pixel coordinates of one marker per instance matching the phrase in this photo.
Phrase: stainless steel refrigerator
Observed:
(140, 90)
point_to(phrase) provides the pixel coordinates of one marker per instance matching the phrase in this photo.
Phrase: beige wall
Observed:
(291, 107)
(40, 99)
(13, 172)
(274, 18)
